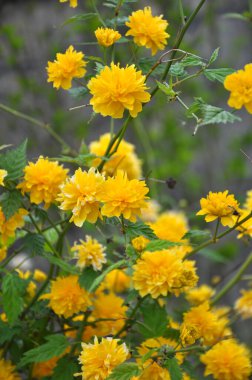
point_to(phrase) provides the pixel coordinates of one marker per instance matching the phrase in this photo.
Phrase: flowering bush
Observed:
(124, 301)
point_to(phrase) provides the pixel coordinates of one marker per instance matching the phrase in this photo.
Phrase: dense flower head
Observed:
(244, 304)
(140, 243)
(99, 359)
(72, 3)
(8, 370)
(116, 89)
(89, 252)
(65, 67)
(116, 281)
(42, 180)
(227, 360)
(239, 84)
(248, 202)
(43, 369)
(9, 226)
(3, 174)
(122, 196)
(66, 297)
(161, 272)
(196, 296)
(124, 159)
(148, 30)
(80, 195)
(171, 226)
(107, 36)
(219, 205)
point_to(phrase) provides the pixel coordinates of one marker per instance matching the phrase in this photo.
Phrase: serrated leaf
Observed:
(80, 17)
(11, 201)
(34, 243)
(172, 334)
(216, 115)
(55, 346)
(68, 268)
(214, 56)
(13, 288)
(217, 74)
(177, 70)
(87, 278)
(192, 60)
(65, 369)
(124, 371)
(173, 368)
(78, 92)
(138, 229)
(14, 161)
(158, 245)
(154, 320)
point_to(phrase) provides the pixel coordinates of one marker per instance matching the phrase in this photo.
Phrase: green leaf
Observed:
(214, 56)
(124, 371)
(11, 201)
(68, 268)
(197, 236)
(78, 92)
(138, 229)
(177, 70)
(7, 332)
(80, 160)
(14, 161)
(55, 346)
(192, 60)
(13, 288)
(158, 245)
(87, 278)
(34, 243)
(65, 369)
(217, 74)
(80, 17)
(174, 369)
(154, 320)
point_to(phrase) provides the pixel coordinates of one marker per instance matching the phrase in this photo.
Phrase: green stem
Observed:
(216, 230)
(187, 108)
(233, 280)
(178, 42)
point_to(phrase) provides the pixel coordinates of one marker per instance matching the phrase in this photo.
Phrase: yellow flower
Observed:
(73, 3)
(8, 227)
(89, 252)
(79, 194)
(3, 174)
(139, 243)
(123, 197)
(67, 297)
(219, 205)
(148, 30)
(124, 159)
(8, 371)
(42, 180)
(43, 369)
(188, 334)
(110, 307)
(240, 86)
(117, 281)
(99, 359)
(106, 36)
(244, 304)
(115, 89)
(66, 67)
(199, 295)
(246, 227)
(150, 213)
(39, 275)
(161, 272)
(248, 202)
(3, 253)
(227, 360)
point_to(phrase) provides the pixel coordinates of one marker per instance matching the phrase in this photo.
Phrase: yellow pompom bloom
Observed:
(148, 30)
(8, 227)
(80, 195)
(43, 369)
(67, 297)
(39, 275)
(99, 359)
(188, 334)
(161, 272)
(117, 89)
(106, 36)
(8, 370)
(110, 307)
(199, 295)
(66, 67)
(117, 281)
(42, 180)
(3, 253)
(244, 304)
(219, 205)
(227, 360)
(240, 85)
(3, 174)
(89, 252)
(122, 196)
(248, 202)
(139, 243)
(73, 3)
(124, 159)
